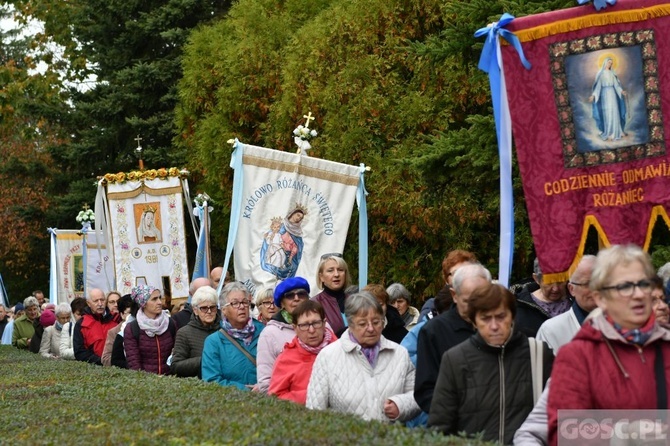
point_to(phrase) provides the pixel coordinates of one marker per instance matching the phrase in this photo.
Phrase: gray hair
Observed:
(398, 291)
(30, 301)
(664, 273)
(264, 293)
(585, 265)
(469, 271)
(536, 268)
(202, 294)
(608, 259)
(359, 302)
(63, 309)
(229, 288)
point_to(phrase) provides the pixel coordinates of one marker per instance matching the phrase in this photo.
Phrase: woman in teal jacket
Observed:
(229, 355)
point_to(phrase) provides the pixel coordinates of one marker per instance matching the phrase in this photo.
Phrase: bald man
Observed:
(91, 330)
(216, 274)
(183, 316)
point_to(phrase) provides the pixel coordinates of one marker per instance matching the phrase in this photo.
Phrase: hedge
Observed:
(45, 401)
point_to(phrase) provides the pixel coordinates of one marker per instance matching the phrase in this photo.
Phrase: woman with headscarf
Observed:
(205, 320)
(293, 366)
(148, 232)
(363, 373)
(618, 359)
(229, 355)
(50, 345)
(149, 339)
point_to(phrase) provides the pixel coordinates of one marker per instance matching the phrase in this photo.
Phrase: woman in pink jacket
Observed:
(293, 367)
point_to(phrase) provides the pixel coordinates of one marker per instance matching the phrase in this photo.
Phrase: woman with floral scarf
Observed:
(148, 340)
(293, 367)
(229, 355)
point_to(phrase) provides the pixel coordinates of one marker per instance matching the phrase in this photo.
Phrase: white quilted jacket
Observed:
(343, 380)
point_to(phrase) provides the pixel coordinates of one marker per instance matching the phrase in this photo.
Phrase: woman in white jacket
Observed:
(66, 349)
(364, 373)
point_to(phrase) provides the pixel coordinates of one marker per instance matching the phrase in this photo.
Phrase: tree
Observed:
(26, 168)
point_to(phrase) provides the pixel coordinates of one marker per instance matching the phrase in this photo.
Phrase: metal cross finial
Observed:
(138, 149)
(308, 117)
(85, 207)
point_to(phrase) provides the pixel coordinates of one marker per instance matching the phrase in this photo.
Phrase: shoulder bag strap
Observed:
(239, 347)
(661, 385)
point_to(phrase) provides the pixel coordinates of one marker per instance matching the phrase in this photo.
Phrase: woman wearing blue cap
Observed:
(279, 330)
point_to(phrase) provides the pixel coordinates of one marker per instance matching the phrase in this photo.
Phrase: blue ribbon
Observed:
(236, 205)
(598, 4)
(490, 63)
(361, 193)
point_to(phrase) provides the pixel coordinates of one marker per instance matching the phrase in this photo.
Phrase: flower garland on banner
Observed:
(142, 175)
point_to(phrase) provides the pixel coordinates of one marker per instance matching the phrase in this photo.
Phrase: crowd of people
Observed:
(478, 359)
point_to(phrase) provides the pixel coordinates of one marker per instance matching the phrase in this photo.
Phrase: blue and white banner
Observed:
(288, 210)
(202, 256)
(4, 299)
(67, 266)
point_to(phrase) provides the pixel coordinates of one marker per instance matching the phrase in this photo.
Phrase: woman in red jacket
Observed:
(293, 367)
(149, 339)
(619, 359)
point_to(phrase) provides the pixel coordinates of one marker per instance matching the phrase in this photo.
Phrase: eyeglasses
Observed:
(301, 294)
(268, 304)
(316, 325)
(241, 303)
(362, 325)
(627, 289)
(207, 309)
(580, 284)
(331, 254)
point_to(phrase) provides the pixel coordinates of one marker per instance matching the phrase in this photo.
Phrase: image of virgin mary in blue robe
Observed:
(609, 103)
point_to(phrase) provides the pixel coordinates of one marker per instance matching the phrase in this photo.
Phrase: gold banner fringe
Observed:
(598, 19)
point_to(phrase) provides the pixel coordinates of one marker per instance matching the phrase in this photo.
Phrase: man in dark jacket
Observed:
(445, 331)
(485, 384)
(90, 332)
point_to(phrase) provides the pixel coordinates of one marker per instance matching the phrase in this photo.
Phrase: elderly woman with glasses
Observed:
(229, 355)
(363, 373)
(205, 320)
(265, 302)
(619, 359)
(148, 340)
(279, 330)
(293, 366)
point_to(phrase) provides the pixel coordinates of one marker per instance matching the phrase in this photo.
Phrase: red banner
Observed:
(589, 121)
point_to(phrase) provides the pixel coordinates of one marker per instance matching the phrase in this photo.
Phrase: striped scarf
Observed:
(637, 336)
(245, 334)
(327, 337)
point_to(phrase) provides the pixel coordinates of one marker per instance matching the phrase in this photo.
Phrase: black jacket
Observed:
(529, 315)
(187, 353)
(436, 337)
(183, 317)
(395, 327)
(476, 380)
